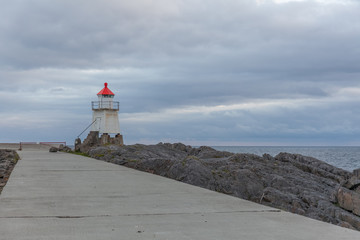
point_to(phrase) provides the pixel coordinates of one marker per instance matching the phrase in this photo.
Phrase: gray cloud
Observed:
(166, 57)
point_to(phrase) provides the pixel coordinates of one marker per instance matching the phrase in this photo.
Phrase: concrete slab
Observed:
(65, 196)
(13, 146)
(26, 146)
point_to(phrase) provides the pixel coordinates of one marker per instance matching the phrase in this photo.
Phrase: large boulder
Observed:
(349, 200)
(352, 183)
(356, 173)
(53, 149)
(63, 148)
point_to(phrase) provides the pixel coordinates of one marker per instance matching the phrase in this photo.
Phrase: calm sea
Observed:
(347, 158)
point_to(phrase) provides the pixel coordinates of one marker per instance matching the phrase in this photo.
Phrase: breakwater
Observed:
(292, 182)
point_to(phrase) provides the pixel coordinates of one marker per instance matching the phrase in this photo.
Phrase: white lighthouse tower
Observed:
(105, 122)
(105, 113)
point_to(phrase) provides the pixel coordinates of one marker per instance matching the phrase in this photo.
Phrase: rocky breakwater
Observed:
(8, 159)
(291, 182)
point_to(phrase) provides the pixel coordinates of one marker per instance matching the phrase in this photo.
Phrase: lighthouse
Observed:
(105, 127)
(105, 113)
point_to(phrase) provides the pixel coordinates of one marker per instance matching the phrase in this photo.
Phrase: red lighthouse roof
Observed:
(105, 91)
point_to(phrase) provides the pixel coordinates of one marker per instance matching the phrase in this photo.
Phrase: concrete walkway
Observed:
(65, 196)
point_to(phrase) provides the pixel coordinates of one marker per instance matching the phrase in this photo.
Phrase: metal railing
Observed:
(87, 128)
(53, 143)
(97, 105)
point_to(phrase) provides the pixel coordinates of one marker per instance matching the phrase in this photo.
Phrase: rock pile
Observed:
(8, 159)
(292, 182)
(61, 148)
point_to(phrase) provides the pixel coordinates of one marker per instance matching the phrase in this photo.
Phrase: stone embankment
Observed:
(292, 182)
(8, 159)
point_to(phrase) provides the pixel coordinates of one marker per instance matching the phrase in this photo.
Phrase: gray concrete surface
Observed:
(65, 196)
(14, 146)
(26, 146)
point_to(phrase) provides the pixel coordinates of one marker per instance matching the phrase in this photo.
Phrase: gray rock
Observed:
(356, 173)
(349, 200)
(77, 145)
(53, 149)
(63, 148)
(352, 183)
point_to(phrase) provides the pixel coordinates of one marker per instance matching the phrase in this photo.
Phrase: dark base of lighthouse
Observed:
(106, 139)
(93, 139)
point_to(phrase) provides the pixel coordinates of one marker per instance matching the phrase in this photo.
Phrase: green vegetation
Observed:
(16, 158)
(183, 162)
(192, 157)
(81, 154)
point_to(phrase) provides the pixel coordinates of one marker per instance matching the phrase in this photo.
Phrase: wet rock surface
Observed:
(8, 159)
(292, 182)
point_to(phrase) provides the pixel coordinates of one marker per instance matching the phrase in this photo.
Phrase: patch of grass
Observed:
(16, 158)
(80, 154)
(192, 157)
(183, 162)
(99, 155)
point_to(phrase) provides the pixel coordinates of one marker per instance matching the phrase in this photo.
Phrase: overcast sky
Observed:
(202, 72)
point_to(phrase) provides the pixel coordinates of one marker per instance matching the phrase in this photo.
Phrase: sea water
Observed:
(347, 158)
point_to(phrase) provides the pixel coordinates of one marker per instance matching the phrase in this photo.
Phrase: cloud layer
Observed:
(203, 72)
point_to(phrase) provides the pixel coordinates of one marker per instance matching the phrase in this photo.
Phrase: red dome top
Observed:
(105, 91)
